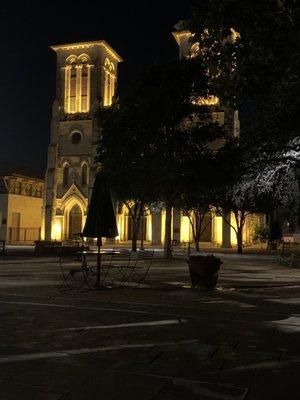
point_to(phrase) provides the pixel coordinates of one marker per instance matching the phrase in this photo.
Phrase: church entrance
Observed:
(75, 221)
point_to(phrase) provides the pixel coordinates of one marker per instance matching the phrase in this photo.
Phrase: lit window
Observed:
(109, 82)
(73, 90)
(77, 84)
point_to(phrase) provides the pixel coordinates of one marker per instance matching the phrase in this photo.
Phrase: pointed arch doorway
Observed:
(75, 221)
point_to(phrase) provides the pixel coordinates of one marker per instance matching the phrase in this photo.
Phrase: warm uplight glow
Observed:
(88, 45)
(184, 229)
(109, 82)
(77, 84)
(56, 230)
(149, 228)
(120, 226)
(218, 225)
(234, 35)
(181, 35)
(209, 101)
(163, 225)
(233, 239)
(195, 49)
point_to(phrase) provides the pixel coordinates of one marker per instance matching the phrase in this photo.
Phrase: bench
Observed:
(54, 248)
(286, 260)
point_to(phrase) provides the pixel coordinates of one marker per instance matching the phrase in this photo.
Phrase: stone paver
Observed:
(241, 341)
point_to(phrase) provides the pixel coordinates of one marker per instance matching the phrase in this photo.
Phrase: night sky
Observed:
(139, 31)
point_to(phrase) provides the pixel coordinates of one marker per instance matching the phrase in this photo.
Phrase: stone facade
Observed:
(86, 80)
(75, 133)
(21, 204)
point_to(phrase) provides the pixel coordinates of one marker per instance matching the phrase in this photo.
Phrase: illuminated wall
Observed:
(233, 238)
(56, 233)
(217, 229)
(163, 225)
(185, 228)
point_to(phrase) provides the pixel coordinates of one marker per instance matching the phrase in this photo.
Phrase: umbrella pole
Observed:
(99, 244)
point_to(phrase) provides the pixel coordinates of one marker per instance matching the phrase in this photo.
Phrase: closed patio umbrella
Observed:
(101, 220)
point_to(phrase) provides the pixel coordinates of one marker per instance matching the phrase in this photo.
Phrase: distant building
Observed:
(21, 204)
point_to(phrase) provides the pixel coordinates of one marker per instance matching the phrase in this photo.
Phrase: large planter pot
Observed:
(204, 271)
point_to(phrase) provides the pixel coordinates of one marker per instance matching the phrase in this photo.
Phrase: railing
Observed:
(24, 234)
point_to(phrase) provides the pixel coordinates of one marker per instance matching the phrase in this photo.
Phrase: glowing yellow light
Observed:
(163, 225)
(149, 228)
(86, 45)
(233, 239)
(209, 101)
(195, 50)
(184, 229)
(56, 230)
(218, 227)
(179, 35)
(234, 35)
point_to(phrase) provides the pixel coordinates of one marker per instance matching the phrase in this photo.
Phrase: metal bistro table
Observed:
(98, 253)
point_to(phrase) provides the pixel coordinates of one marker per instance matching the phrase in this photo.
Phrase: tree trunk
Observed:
(239, 236)
(197, 236)
(168, 225)
(135, 232)
(142, 234)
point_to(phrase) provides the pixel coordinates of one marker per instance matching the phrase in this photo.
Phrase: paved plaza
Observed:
(170, 342)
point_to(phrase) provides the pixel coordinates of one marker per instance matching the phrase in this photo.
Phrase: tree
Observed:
(121, 152)
(198, 194)
(261, 190)
(155, 131)
(252, 53)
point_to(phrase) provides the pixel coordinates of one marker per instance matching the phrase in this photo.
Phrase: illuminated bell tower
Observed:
(86, 79)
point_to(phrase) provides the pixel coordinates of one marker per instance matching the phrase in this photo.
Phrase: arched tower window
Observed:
(77, 84)
(66, 173)
(109, 82)
(84, 175)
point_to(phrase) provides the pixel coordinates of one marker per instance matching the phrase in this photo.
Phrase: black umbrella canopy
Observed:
(101, 220)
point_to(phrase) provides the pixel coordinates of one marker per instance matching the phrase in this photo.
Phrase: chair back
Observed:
(147, 256)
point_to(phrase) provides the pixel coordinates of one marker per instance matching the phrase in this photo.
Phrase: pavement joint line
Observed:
(258, 366)
(86, 350)
(183, 381)
(124, 310)
(128, 325)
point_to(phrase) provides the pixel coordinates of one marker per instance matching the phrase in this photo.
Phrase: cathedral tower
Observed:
(85, 80)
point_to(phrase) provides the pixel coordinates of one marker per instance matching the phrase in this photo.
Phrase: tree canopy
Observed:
(152, 136)
(252, 53)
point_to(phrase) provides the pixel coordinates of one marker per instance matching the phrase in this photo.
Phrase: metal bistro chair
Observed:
(139, 268)
(73, 266)
(119, 262)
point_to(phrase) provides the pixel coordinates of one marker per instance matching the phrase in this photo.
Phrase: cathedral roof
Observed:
(84, 45)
